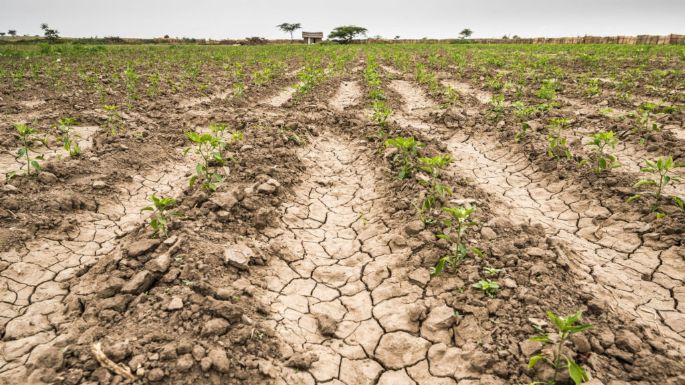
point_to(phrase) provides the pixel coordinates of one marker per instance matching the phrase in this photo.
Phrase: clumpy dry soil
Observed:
(309, 264)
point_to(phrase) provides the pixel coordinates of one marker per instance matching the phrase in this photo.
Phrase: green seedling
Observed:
(643, 116)
(27, 135)
(114, 121)
(159, 219)
(381, 113)
(496, 109)
(661, 169)
(69, 141)
(492, 271)
(458, 222)
(565, 327)
(522, 132)
(210, 147)
(557, 145)
(432, 166)
(487, 286)
(601, 141)
(548, 90)
(405, 157)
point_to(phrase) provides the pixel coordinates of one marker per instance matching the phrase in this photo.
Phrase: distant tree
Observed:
(2, 34)
(12, 32)
(289, 28)
(397, 37)
(166, 36)
(516, 37)
(51, 34)
(344, 34)
(465, 33)
(505, 37)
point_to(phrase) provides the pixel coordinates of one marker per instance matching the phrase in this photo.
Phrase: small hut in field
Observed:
(312, 37)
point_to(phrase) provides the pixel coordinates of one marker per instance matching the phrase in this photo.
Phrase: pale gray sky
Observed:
(406, 18)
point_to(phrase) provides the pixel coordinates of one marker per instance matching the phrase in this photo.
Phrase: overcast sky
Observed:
(406, 18)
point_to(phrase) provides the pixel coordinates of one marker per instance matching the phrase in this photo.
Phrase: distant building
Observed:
(312, 37)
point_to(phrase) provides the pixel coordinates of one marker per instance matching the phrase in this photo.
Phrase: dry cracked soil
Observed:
(309, 265)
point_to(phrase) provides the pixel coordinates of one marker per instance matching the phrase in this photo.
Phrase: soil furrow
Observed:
(36, 276)
(610, 249)
(340, 297)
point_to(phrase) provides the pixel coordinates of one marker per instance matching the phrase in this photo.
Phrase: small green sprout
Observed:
(210, 147)
(27, 136)
(405, 158)
(69, 141)
(458, 222)
(159, 219)
(661, 169)
(557, 145)
(604, 160)
(114, 120)
(565, 327)
(492, 271)
(487, 286)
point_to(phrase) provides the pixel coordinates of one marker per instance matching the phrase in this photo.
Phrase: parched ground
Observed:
(309, 264)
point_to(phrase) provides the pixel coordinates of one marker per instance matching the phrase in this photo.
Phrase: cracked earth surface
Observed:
(631, 157)
(34, 278)
(338, 289)
(616, 251)
(9, 161)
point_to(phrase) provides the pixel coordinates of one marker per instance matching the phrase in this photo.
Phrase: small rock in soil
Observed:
(219, 360)
(185, 362)
(176, 303)
(198, 352)
(302, 361)
(238, 256)
(627, 340)
(168, 352)
(98, 184)
(47, 177)
(139, 283)
(327, 325)
(155, 374)
(141, 247)
(414, 227)
(215, 327)
(530, 348)
(117, 351)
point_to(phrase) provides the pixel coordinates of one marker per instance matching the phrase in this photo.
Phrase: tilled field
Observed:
(402, 214)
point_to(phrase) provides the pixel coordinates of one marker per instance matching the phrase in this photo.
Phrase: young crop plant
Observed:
(548, 90)
(160, 217)
(210, 148)
(438, 190)
(114, 120)
(497, 107)
(132, 79)
(458, 223)
(603, 160)
(27, 135)
(405, 157)
(381, 113)
(309, 77)
(558, 360)
(660, 169)
(643, 117)
(487, 286)
(557, 146)
(238, 80)
(69, 141)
